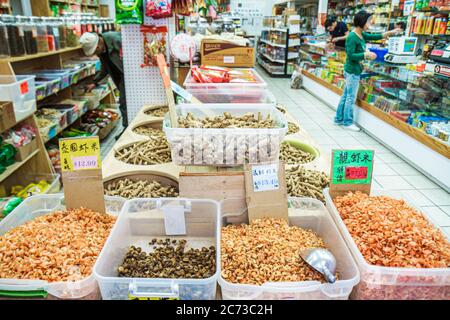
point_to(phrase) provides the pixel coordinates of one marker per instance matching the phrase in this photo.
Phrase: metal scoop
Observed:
(321, 260)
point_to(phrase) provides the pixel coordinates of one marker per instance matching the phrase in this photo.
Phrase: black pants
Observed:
(123, 104)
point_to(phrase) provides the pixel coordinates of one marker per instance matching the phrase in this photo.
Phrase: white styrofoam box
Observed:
(388, 282)
(30, 209)
(21, 91)
(309, 214)
(229, 146)
(142, 220)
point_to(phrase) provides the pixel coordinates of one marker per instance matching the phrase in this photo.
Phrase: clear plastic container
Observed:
(389, 283)
(140, 221)
(41, 90)
(260, 84)
(42, 40)
(4, 44)
(15, 36)
(308, 214)
(52, 179)
(21, 91)
(63, 75)
(30, 34)
(53, 85)
(29, 209)
(233, 96)
(225, 147)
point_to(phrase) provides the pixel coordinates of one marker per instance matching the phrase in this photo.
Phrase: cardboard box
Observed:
(7, 116)
(24, 151)
(226, 54)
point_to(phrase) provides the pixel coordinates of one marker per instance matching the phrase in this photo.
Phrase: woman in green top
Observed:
(355, 47)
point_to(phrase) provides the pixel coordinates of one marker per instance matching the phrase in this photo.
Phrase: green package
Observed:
(129, 12)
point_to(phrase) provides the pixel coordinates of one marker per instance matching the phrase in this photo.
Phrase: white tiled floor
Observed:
(390, 172)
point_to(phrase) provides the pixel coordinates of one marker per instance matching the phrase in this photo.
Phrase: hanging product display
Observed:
(158, 9)
(182, 7)
(129, 12)
(154, 43)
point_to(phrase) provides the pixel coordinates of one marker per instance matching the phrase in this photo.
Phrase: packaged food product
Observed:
(129, 12)
(158, 9)
(154, 44)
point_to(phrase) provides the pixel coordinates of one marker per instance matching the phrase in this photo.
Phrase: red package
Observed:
(158, 9)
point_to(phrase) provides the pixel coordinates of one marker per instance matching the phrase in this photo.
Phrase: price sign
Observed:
(266, 191)
(351, 170)
(80, 154)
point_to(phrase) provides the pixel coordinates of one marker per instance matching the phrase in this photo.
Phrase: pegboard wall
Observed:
(143, 86)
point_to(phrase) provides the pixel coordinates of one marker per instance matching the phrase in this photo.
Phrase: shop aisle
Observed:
(390, 171)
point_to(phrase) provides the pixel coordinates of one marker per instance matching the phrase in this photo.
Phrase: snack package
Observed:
(30, 190)
(129, 12)
(7, 205)
(206, 74)
(182, 7)
(154, 44)
(158, 9)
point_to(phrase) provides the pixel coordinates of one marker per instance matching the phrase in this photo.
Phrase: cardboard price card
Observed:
(352, 166)
(80, 154)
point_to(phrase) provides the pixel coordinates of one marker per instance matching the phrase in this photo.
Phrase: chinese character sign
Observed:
(265, 177)
(352, 166)
(80, 153)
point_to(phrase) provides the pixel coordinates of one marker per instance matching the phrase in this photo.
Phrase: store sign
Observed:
(351, 170)
(82, 173)
(80, 153)
(266, 191)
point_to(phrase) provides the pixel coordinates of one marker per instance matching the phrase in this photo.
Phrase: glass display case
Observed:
(410, 94)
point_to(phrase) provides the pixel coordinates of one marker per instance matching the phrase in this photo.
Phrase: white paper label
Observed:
(446, 54)
(265, 177)
(181, 92)
(228, 59)
(174, 221)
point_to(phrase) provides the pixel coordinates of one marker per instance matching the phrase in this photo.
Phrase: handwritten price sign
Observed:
(80, 154)
(265, 178)
(352, 166)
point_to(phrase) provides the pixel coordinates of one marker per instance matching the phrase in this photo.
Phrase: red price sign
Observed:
(356, 173)
(24, 87)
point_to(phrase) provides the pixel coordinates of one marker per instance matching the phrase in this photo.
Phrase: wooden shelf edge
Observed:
(429, 141)
(16, 166)
(38, 56)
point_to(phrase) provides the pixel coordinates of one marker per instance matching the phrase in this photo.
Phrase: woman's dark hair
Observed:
(401, 25)
(329, 22)
(361, 18)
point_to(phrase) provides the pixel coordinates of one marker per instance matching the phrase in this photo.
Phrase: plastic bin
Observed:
(74, 75)
(380, 52)
(233, 96)
(387, 282)
(29, 209)
(21, 91)
(52, 74)
(41, 90)
(260, 84)
(53, 84)
(309, 214)
(52, 179)
(140, 221)
(225, 147)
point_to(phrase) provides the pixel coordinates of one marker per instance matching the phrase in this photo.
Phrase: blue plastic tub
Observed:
(380, 52)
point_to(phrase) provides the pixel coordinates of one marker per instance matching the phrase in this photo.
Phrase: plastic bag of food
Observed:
(129, 12)
(158, 9)
(296, 80)
(154, 44)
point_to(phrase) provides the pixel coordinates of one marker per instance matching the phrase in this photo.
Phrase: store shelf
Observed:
(422, 137)
(272, 59)
(266, 68)
(69, 124)
(16, 166)
(273, 44)
(38, 56)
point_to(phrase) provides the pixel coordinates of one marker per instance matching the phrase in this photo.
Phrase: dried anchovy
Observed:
(130, 189)
(249, 120)
(302, 182)
(292, 155)
(169, 259)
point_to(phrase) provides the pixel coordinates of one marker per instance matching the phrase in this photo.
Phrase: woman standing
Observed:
(355, 47)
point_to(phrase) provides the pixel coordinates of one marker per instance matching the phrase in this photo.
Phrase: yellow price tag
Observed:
(81, 153)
